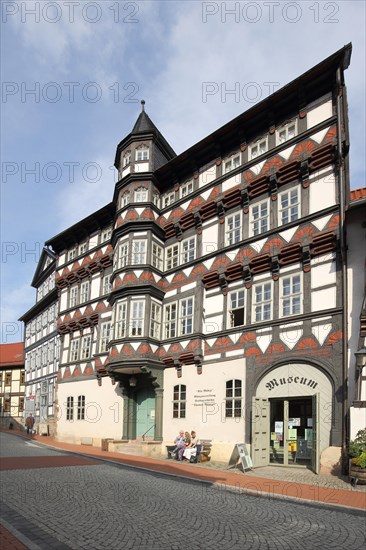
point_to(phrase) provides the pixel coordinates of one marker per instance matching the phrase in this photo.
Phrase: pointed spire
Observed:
(142, 105)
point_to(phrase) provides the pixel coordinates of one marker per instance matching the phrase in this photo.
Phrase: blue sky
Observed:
(90, 64)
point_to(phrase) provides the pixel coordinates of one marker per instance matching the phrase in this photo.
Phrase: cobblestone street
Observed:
(96, 505)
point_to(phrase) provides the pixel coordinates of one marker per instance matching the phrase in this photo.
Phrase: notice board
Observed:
(240, 452)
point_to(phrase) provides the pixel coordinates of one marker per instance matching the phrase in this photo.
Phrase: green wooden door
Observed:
(145, 413)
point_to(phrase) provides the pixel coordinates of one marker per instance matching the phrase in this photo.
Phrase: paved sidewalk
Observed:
(288, 483)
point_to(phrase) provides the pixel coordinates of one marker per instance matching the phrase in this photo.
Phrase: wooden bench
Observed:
(202, 456)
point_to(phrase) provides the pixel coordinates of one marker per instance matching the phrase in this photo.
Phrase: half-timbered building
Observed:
(210, 292)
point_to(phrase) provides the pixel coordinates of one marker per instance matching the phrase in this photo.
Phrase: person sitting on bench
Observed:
(179, 443)
(191, 451)
(183, 447)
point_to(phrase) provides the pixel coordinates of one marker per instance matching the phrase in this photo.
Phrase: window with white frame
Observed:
(156, 199)
(170, 320)
(74, 349)
(186, 316)
(51, 393)
(121, 320)
(186, 188)
(85, 347)
(291, 295)
(289, 206)
(44, 319)
(172, 256)
(126, 159)
(122, 255)
(44, 354)
(168, 199)
(141, 194)
(82, 247)
(258, 148)
(259, 218)
(105, 336)
(179, 401)
(81, 407)
(157, 256)
(51, 351)
(155, 320)
(106, 234)
(142, 153)
(236, 308)
(137, 318)
(232, 162)
(286, 132)
(188, 248)
(138, 252)
(233, 229)
(262, 302)
(74, 296)
(233, 399)
(71, 254)
(70, 408)
(84, 292)
(106, 284)
(124, 199)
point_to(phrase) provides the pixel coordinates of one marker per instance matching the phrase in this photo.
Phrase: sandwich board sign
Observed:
(240, 452)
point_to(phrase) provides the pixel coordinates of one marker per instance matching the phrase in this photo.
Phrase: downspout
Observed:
(343, 253)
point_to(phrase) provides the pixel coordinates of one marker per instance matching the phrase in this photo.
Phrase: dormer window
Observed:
(141, 194)
(126, 159)
(142, 153)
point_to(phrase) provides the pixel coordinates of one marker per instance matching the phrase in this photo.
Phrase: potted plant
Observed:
(357, 454)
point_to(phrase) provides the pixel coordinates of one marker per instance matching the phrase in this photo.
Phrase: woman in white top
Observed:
(191, 449)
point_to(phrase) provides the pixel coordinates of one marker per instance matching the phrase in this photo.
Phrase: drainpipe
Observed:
(343, 252)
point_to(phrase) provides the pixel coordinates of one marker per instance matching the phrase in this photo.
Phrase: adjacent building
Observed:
(211, 292)
(356, 267)
(42, 346)
(11, 385)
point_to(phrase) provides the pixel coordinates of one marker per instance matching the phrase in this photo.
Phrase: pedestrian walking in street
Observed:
(29, 423)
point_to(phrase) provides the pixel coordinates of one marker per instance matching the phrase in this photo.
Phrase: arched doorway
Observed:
(292, 416)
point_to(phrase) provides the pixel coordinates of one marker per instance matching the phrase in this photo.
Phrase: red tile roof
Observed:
(358, 194)
(12, 355)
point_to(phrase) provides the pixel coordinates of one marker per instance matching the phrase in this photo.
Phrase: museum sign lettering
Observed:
(284, 381)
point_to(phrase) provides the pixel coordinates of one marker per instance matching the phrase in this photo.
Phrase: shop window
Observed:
(179, 401)
(233, 399)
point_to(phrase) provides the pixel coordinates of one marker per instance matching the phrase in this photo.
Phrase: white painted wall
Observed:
(210, 236)
(320, 113)
(322, 192)
(104, 411)
(231, 182)
(205, 402)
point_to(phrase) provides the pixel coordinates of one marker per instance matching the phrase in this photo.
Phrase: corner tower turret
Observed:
(144, 150)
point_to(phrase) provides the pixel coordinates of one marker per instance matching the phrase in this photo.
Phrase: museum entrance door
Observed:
(293, 432)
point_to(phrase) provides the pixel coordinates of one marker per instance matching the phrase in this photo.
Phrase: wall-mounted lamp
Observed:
(99, 380)
(132, 381)
(360, 357)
